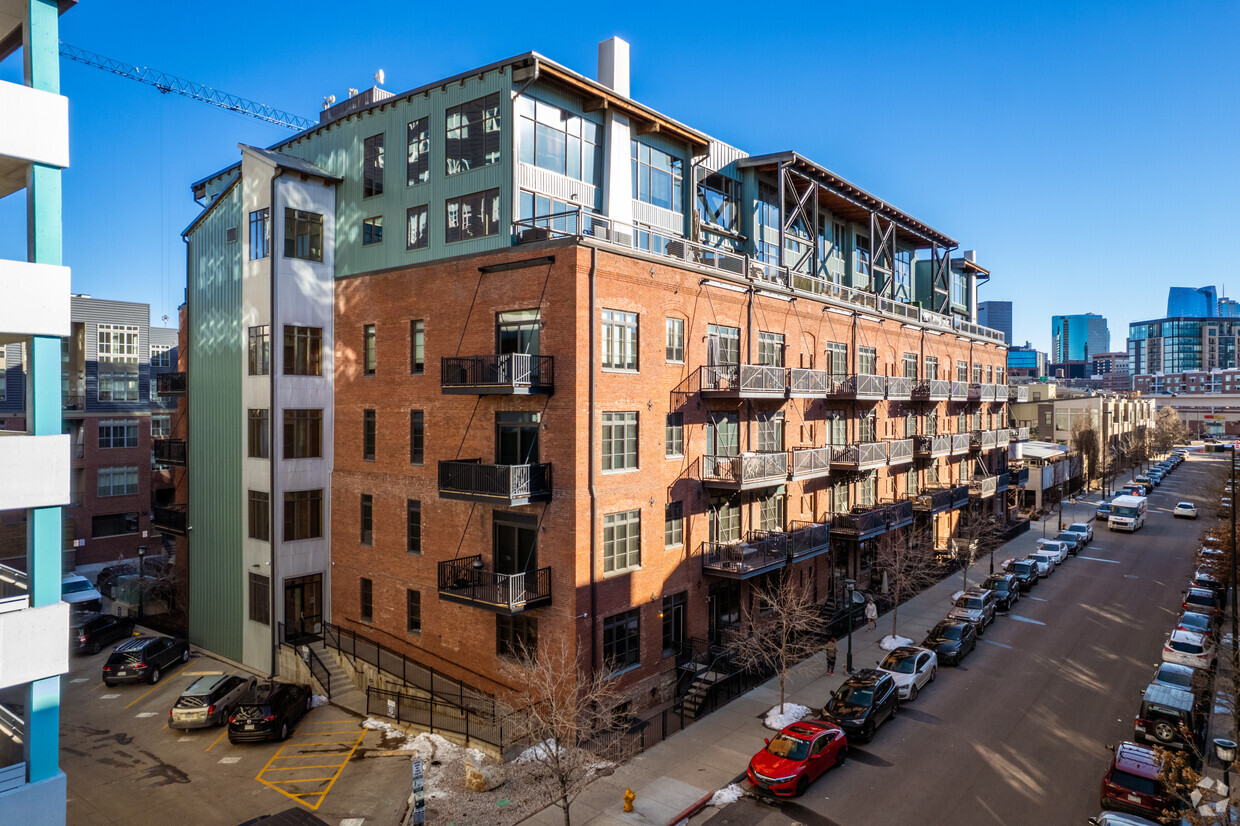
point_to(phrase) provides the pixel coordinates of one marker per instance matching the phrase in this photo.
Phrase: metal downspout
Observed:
(590, 465)
(271, 423)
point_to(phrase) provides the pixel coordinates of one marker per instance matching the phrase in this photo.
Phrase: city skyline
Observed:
(1048, 68)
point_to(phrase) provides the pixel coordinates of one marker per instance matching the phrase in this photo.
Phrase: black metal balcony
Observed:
(759, 554)
(170, 384)
(465, 581)
(862, 456)
(509, 374)
(744, 381)
(171, 519)
(810, 462)
(929, 447)
(170, 451)
(862, 387)
(746, 471)
(899, 514)
(861, 523)
(899, 387)
(1004, 483)
(933, 500)
(809, 539)
(960, 496)
(1020, 476)
(473, 481)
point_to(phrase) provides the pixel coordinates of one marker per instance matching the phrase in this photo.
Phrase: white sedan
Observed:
(1188, 648)
(1082, 528)
(1060, 549)
(912, 668)
(1187, 510)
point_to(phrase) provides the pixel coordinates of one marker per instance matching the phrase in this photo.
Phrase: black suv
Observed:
(91, 632)
(268, 712)
(1025, 570)
(1006, 589)
(951, 639)
(864, 702)
(143, 658)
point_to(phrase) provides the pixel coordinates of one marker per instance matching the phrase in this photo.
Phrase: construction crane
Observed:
(166, 83)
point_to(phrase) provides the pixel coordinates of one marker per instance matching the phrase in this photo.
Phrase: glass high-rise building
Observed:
(997, 315)
(1192, 302)
(1078, 337)
(1175, 345)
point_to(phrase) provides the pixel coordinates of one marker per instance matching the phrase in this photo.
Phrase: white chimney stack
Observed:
(613, 65)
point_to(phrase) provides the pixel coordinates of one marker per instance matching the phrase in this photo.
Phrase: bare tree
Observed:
(783, 629)
(975, 537)
(569, 714)
(1086, 440)
(1169, 430)
(909, 560)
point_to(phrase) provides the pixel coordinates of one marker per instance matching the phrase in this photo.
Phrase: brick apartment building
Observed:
(616, 372)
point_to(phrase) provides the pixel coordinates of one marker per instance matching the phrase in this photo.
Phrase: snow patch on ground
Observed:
(957, 595)
(792, 713)
(893, 641)
(538, 751)
(318, 700)
(726, 795)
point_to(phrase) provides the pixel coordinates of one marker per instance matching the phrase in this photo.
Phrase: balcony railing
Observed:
(465, 581)
(809, 539)
(73, 401)
(983, 487)
(810, 462)
(171, 519)
(994, 393)
(804, 382)
(862, 387)
(960, 443)
(900, 387)
(928, 447)
(861, 523)
(960, 496)
(1020, 476)
(513, 374)
(860, 456)
(983, 440)
(742, 560)
(746, 471)
(170, 384)
(170, 451)
(1022, 434)
(960, 391)
(1004, 482)
(932, 390)
(899, 451)
(1002, 436)
(744, 381)
(899, 514)
(473, 481)
(933, 500)
(14, 589)
(1018, 393)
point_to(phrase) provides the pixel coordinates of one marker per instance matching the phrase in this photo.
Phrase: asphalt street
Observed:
(1018, 734)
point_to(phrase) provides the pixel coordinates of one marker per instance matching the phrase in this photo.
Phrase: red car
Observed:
(797, 756)
(1131, 783)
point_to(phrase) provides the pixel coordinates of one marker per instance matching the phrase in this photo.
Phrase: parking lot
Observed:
(122, 760)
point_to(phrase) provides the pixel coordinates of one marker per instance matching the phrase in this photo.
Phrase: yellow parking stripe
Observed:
(331, 781)
(299, 768)
(152, 688)
(217, 739)
(303, 780)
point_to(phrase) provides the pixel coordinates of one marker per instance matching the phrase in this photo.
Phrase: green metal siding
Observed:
(216, 364)
(338, 150)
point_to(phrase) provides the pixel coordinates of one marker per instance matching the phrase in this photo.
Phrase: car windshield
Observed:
(1079, 527)
(1134, 783)
(1067, 536)
(1195, 621)
(947, 632)
(788, 748)
(972, 603)
(997, 584)
(1185, 647)
(1124, 510)
(1199, 599)
(1024, 567)
(857, 695)
(900, 663)
(1176, 678)
(75, 587)
(1188, 505)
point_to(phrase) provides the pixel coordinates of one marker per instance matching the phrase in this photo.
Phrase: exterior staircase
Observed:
(340, 688)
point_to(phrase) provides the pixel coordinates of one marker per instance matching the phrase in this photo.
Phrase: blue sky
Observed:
(1086, 150)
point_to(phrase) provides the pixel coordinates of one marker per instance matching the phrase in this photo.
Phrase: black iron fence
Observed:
(435, 715)
(498, 481)
(517, 371)
(465, 579)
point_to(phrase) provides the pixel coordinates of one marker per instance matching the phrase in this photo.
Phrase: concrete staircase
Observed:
(344, 693)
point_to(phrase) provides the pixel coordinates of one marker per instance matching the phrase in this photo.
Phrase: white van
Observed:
(1127, 513)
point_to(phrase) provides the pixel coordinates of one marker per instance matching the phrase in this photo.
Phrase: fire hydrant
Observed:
(629, 797)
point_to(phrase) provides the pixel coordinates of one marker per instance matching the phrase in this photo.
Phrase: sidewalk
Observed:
(674, 778)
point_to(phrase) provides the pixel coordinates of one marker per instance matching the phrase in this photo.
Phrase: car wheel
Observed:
(94, 648)
(981, 628)
(155, 675)
(912, 692)
(185, 655)
(109, 683)
(284, 735)
(895, 709)
(839, 755)
(867, 734)
(934, 672)
(1163, 731)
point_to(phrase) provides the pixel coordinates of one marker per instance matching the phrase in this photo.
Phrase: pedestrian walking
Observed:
(871, 614)
(831, 649)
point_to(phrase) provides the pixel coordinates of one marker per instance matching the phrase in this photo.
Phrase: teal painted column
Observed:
(43, 246)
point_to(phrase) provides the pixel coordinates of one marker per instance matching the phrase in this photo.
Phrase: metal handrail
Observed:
(899, 387)
(504, 481)
(746, 467)
(813, 382)
(517, 370)
(960, 442)
(463, 577)
(899, 451)
(807, 461)
(984, 486)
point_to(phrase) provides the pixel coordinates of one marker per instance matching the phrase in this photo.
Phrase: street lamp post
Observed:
(141, 573)
(1225, 751)
(849, 584)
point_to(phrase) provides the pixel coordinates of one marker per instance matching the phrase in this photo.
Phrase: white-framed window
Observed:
(771, 349)
(161, 355)
(676, 340)
(867, 361)
(118, 433)
(161, 427)
(117, 383)
(622, 541)
(658, 178)
(118, 481)
(117, 343)
(620, 441)
(559, 141)
(619, 340)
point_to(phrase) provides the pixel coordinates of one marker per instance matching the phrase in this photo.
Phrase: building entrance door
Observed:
(303, 607)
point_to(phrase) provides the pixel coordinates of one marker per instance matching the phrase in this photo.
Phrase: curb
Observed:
(697, 806)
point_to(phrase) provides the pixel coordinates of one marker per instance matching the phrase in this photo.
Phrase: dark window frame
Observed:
(422, 239)
(413, 611)
(369, 435)
(303, 433)
(372, 165)
(372, 231)
(260, 233)
(303, 350)
(258, 432)
(462, 151)
(260, 598)
(303, 235)
(303, 515)
(622, 641)
(259, 350)
(369, 355)
(417, 167)
(259, 502)
(366, 519)
(413, 526)
(417, 437)
(417, 347)
(483, 222)
(366, 600)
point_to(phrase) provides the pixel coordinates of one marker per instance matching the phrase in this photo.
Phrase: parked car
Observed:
(912, 668)
(1025, 570)
(1049, 557)
(1060, 547)
(1131, 782)
(1006, 588)
(269, 713)
(209, 701)
(864, 702)
(1184, 510)
(1141, 479)
(1082, 528)
(78, 592)
(105, 582)
(1205, 579)
(1072, 540)
(951, 640)
(797, 756)
(1121, 819)
(1103, 513)
(1171, 718)
(144, 658)
(1188, 648)
(1203, 601)
(975, 605)
(1155, 477)
(1174, 675)
(1197, 623)
(91, 631)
